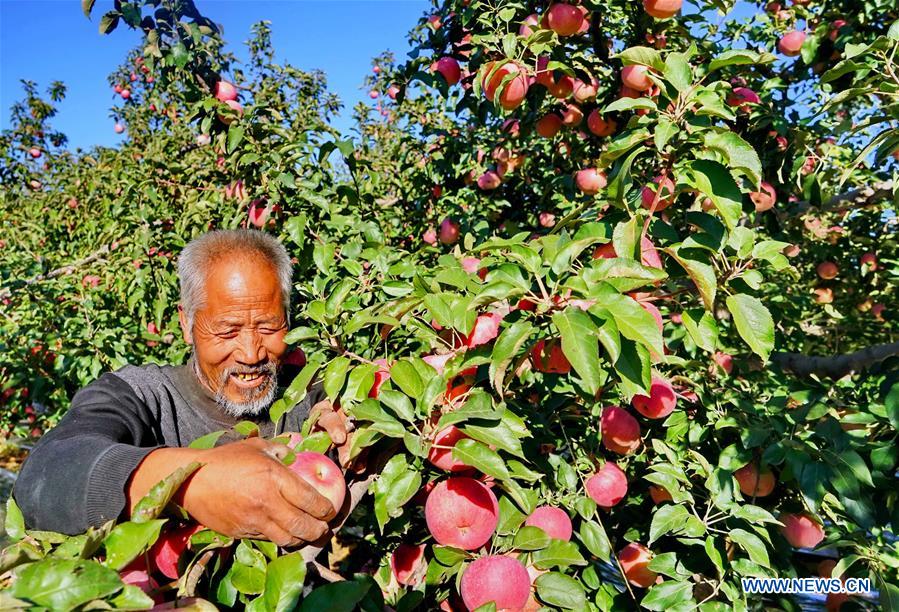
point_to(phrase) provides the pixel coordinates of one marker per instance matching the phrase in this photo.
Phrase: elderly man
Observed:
(127, 430)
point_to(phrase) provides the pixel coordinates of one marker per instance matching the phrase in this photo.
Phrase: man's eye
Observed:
(227, 335)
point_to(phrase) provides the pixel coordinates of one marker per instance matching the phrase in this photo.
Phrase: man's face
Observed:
(238, 336)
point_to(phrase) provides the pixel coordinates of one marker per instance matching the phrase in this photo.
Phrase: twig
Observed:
(834, 366)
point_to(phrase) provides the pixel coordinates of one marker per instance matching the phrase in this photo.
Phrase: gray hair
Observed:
(203, 251)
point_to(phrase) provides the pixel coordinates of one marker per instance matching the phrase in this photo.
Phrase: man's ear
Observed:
(185, 328)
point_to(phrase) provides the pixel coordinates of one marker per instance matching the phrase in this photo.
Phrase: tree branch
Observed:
(834, 366)
(863, 196)
(70, 267)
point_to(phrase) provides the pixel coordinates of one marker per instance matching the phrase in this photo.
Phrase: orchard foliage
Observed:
(561, 280)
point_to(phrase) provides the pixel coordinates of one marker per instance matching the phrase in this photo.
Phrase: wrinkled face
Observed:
(238, 335)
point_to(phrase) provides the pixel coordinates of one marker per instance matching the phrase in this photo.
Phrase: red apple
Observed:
(443, 457)
(296, 358)
(564, 19)
(790, 43)
(634, 559)
(636, 77)
(661, 400)
(723, 361)
(408, 564)
(824, 295)
(649, 256)
(549, 125)
(765, 198)
(828, 270)
(835, 28)
(225, 91)
(34, 152)
(755, 483)
(870, 260)
(382, 375)
(585, 91)
(801, 530)
(392, 91)
(546, 219)
(659, 495)
(461, 512)
(572, 116)
(651, 309)
(169, 547)
(742, 98)
(590, 180)
(600, 126)
(500, 579)
(531, 23)
(449, 68)
(118, 128)
(126, 93)
(449, 231)
(620, 430)
(489, 181)
(555, 522)
(607, 486)
(323, 474)
(666, 196)
(485, 330)
(513, 92)
(430, 236)
(662, 9)
(548, 357)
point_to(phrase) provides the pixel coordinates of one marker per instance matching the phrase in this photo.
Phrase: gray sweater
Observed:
(75, 476)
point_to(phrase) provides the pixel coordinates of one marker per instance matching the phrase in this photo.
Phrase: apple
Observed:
(392, 91)
(835, 28)
(870, 260)
(225, 91)
(513, 92)
(489, 181)
(607, 486)
(546, 219)
(826, 567)
(801, 530)
(649, 256)
(203, 140)
(500, 579)
(531, 23)
(373, 94)
(824, 295)
(228, 118)
(34, 152)
(126, 93)
(661, 400)
(259, 213)
(651, 309)
(323, 474)
(634, 559)
(659, 495)
(117, 89)
(877, 311)
(827, 270)
(572, 116)
(742, 97)
(790, 43)
(296, 358)
(438, 362)
(564, 19)
(755, 483)
(168, 548)
(600, 126)
(382, 375)
(662, 9)
(590, 180)
(548, 357)
(765, 198)
(620, 430)
(585, 91)
(485, 329)
(555, 522)
(443, 457)
(118, 128)
(461, 512)
(666, 196)
(407, 563)
(723, 361)
(430, 236)
(636, 77)
(449, 231)
(449, 68)
(548, 125)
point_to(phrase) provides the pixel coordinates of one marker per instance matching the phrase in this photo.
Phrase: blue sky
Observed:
(46, 40)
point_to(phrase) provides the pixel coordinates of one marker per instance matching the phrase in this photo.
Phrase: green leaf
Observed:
(398, 403)
(701, 326)
(738, 153)
(65, 584)
(678, 71)
(753, 545)
(669, 518)
(15, 521)
(595, 539)
(667, 595)
(645, 56)
(891, 403)
(753, 322)
(298, 388)
(334, 376)
(735, 57)
(235, 136)
(559, 553)
(633, 321)
(109, 21)
(580, 345)
(531, 538)
(562, 591)
(154, 502)
(701, 273)
(360, 381)
(128, 540)
(478, 455)
(714, 181)
(665, 129)
(87, 6)
(505, 349)
(406, 377)
(338, 596)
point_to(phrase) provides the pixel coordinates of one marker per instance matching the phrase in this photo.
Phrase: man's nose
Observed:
(250, 349)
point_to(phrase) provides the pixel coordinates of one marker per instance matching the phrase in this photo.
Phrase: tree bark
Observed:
(863, 196)
(834, 366)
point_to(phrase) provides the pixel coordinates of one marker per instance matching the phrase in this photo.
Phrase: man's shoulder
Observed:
(145, 377)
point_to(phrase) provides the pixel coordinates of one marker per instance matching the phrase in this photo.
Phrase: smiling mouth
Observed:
(249, 379)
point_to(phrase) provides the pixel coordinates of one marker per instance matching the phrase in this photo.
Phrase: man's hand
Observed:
(243, 491)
